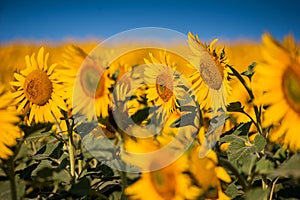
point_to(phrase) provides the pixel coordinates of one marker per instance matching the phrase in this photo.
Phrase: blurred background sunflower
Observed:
(8, 120)
(278, 78)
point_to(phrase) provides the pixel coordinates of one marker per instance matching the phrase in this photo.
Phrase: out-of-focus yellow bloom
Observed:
(88, 82)
(206, 172)
(211, 80)
(278, 78)
(167, 181)
(39, 91)
(243, 54)
(8, 120)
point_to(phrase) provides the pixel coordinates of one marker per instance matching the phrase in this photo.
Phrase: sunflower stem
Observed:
(10, 173)
(240, 178)
(12, 181)
(33, 147)
(273, 188)
(264, 182)
(71, 155)
(70, 144)
(251, 95)
(80, 161)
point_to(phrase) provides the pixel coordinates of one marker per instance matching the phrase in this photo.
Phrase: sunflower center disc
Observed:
(38, 87)
(164, 183)
(164, 87)
(90, 82)
(291, 85)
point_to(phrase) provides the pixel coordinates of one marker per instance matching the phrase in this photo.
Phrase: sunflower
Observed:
(160, 180)
(278, 78)
(8, 120)
(165, 84)
(39, 92)
(88, 82)
(211, 80)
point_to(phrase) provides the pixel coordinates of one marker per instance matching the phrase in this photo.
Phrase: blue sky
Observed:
(227, 19)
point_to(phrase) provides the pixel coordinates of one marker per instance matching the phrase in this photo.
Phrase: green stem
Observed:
(124, 184)
(70, 144)
(56, 123)
(33, 147)
(123, 176)
(273, 188)
(71, 155)
(264, 182)
(253, 121)
(13, 189)
(251, 95)
(80, 161)
(9, 170)
(240, 178)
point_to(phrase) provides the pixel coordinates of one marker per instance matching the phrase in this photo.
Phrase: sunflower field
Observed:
(189, 120)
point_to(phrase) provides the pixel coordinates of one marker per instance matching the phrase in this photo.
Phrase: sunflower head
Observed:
(281, 62)
(165, 84)
(39, 91)
(89, 84)
(164, 87)
(38, 87)
(209, 61)
(291, 85)
(8, 120)
(211, 80)
(168, 182)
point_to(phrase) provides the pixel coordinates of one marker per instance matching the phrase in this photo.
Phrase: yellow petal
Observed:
(33, 61)
(222, 174)
(40, 58)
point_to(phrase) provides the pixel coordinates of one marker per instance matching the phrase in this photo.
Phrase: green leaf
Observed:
(85, 128)
(81, 188)
(45, 172)
(235, 107)
(231, 191)
(115, 195)
(140, 115)
(20, 185)
(249, 163)
(43, 164)
(260, 142)
(238, 153)
(100, 148)
(57, 150)
(233, 137)
(290, 168)
(26, 173)
(32, 133)
(281, 154)
(184, 120)
(250, 71)
(242, 129)
(257, 194)
(61, 176)
(264, 166)
(5, 190)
